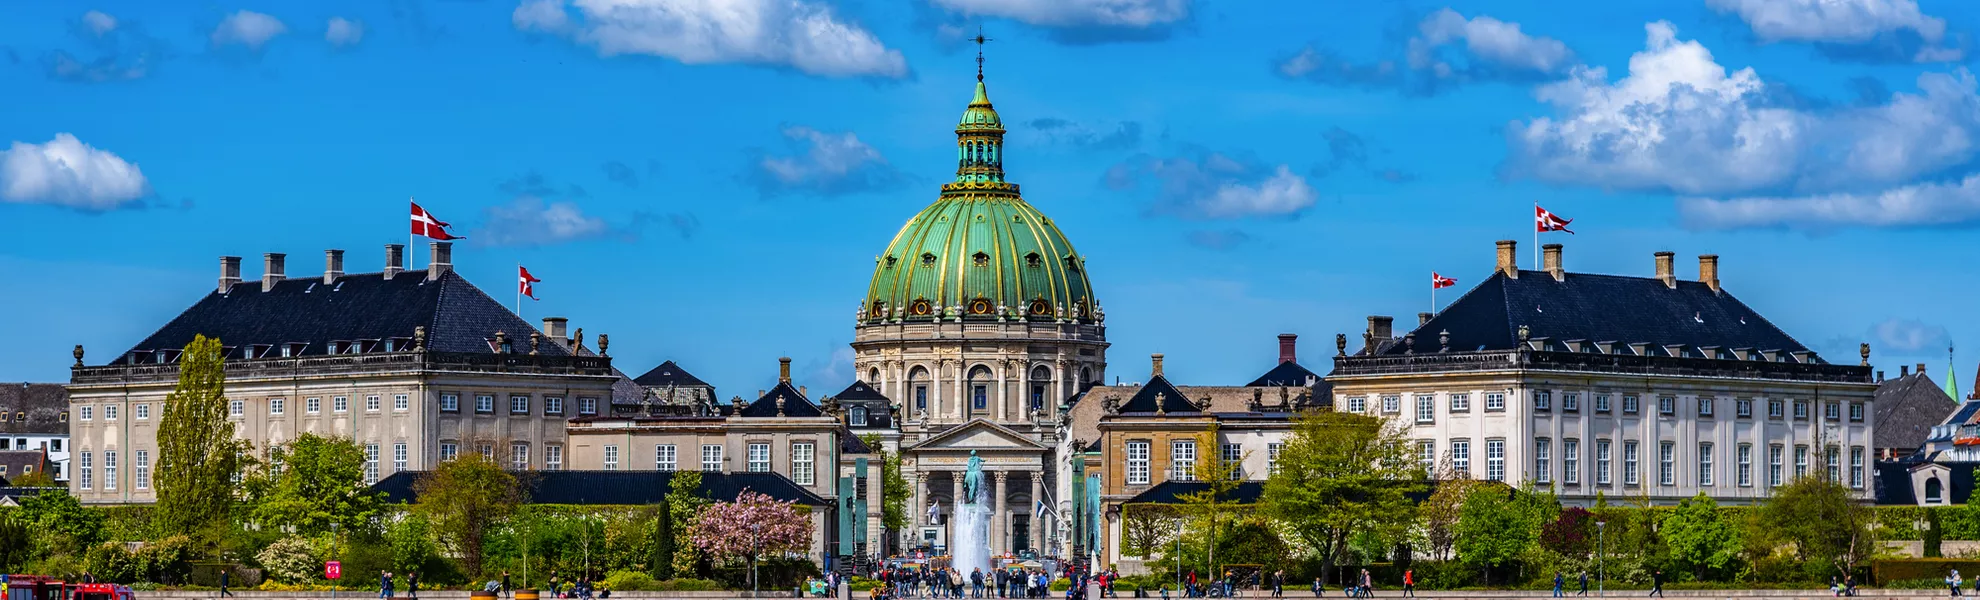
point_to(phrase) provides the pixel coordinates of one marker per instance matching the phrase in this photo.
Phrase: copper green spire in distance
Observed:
(1952, 378)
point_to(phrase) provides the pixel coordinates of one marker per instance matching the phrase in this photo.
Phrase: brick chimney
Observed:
(1288, 347)
(395, 259)
(1423, 318)
(1550, 261)
(1921, 368)
(1708, 271)
(1381, 328)
(1904, 370)
(1665, 270)
(440, 261)
(784, 369)
(230, 272)
(1154, 365)
(1509, 258)
(556, 328)
(271, 269)
(333, 265)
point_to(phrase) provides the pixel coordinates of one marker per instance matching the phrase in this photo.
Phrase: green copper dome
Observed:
(980, 251)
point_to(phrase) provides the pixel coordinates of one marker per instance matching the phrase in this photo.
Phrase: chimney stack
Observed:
(1904, 370)
(230, 272)
(1921, 368)
(333, 266)
(555, 327)
(395, 259)
(1551, 261)
(1708, 271)
(1509, 258)
(1423, 318)
(271, 269)
(1155, 365)
(1288, 346)
(784, 370)
(441, 261)
(1380, 328)
(1665, 271)
(1880, 376)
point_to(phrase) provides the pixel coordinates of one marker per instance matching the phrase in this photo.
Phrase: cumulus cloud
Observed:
(824, 163)
(1121, 136)
(1680, 122)
(247, 28)
(1861, 28)
(1924, 204)
(530, 221)
(1909, 336)
(67, 172)
(1212, 185)
(342, 32)
(802, 35)
(99, 22)
(1445, 50)
(1082, 20)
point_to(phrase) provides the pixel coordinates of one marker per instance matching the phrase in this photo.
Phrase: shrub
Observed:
(629, 581)
(1920, 568)
(862, 584)
(289, 560)
(109, 561)
(689, 584)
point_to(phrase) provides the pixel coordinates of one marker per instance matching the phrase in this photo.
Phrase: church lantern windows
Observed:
(928, 258)
(1031, 259)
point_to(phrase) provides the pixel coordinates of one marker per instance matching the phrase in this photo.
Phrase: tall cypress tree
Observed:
(197, 453)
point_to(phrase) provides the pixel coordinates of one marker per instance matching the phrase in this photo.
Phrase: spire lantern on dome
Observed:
(980, 138)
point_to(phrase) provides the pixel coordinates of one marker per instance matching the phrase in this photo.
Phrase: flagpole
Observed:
(519, 289)
(412, 239)
(1536, 234)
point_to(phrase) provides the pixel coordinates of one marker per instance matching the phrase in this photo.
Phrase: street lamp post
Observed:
(1179, 559)
(1601, 552)
(756, 550)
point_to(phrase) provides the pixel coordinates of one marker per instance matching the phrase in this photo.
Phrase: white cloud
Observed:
(529, 221)
(829, 163)
(803, 35)
(1910, 336)
(1077, 13)
(1911, 205)
(1846, 21)
(1447, 50)
(99, 22)
(247, 28)
(67, 172)
(343, 32)
(1217, 186)
(1281, 194)
(1497, 43)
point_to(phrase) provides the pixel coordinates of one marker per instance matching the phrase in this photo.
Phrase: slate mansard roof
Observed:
(668, 374)
(358, 307)
(878, 408)
(1906, 408)
(34, 409)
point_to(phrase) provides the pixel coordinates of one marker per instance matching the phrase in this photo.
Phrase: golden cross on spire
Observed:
(979, 39)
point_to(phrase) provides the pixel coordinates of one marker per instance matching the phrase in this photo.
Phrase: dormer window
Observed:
(928, 258)
(981, 259)
(879, 308)
(891, 260)
(1072, 263)
(1040, 307)
(856, 417)
(979, 306)
(920, 307)
(1031, 260)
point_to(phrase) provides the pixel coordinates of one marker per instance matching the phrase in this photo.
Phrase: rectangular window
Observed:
(1832, 411)
(921, 396)
(83, 471)
(1460, 402)
(1137, 463)
(1182, 460)
(1667, 405)
(1833, 456)
(664, 458)
(1426, 408)
(711, 458)
(979, 397)
(587, 406)
(370, 464)
(1856, 411)
(1705, 406)
(1461, 457)
(1704, 464)
(1391, 404)
(1495, 401)
(1745, 459)
(109, 412)
(487, 451)
(1800, 462)
(1602, 462)
(1543, 400)
(802, 461)
(856, 416)
(759, 457)
(1543, 472)
(1775, 464)
(1272, 457)
(484, 403)
(553, 457)
(141, 473)
(236, 408)
(1571, 401)
(399, 457)
(449, 450)
(313, 406)
(109, 470)
(371, 403)
(1357, 404)
(1743, 408)
(1495, 460)
(1631, 464)
(553, 405)
(1856, 467)
(1570, 459)
(1601, 403)
(611, 457)
(450, 403)
(1800, 410)
(519, 404)
(340, 404)
(1667, 463)
(1426, 455)
(519, 456)
(1629, 405)
(83, 413)
(400, 402)
(142, 411)
(1233, 455)
(1775, 409)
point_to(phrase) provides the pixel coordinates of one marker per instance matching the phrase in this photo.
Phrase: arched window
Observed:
(979, 388)
(1934, 491)
(1086, 376)
(873, 376)
(1041, 383)
(918, 387)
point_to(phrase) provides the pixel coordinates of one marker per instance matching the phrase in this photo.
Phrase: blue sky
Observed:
(708, 181)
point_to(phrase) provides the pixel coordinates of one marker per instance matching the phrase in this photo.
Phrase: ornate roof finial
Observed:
(980, 40)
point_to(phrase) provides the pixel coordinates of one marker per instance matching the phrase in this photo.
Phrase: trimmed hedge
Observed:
(1934, 569)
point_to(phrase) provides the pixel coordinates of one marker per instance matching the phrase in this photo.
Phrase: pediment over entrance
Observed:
(979, 434)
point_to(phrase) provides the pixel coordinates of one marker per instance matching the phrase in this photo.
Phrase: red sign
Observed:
(333, 570)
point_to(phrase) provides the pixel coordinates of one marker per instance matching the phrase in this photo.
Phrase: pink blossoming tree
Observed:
(749, 528)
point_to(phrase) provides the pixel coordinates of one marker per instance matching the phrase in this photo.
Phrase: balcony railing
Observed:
(1588, 362)
(343, 364)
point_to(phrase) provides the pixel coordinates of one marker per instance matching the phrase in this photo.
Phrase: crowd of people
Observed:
(951, 584)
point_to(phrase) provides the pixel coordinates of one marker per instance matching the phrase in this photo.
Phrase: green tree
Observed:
(60, 522)
(1829, 528)
(1339, 474)
(198, 456)
(462, 500)
(321, 482)
(35, 479)
(684, 501)
(1495, 526)
(1220, 478)
(1701, 542)
(16, 541)
(894, 490)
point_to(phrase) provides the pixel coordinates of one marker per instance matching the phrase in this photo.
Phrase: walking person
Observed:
(385, 584)
(1584, 583)
(1279, 583)
(1657, 583)
(1558, 581)
(1409, 582)
(412, 584)
(505, 584)
(1954, 580)
(1367, 584)
(223, 583)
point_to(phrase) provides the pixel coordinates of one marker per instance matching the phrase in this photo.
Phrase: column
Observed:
(920, 502)
(1033, 535)
(955, 503)
(960, 408)
(1000, 521)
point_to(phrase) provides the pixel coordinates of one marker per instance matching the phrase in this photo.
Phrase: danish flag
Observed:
(523, 281)
(423, 223)
(1544, 221)
(1438, 282)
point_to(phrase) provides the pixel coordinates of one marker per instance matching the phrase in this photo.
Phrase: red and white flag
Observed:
(1438, 282)
(523, 281)
(1544, 221)
(424, 223)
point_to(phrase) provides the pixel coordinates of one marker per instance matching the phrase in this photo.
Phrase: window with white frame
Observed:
(519, 456)
(1833, 456)
(1629, 404)
(83, 413)
(1182, 460)
(340, 404)
(759, 457)
(370, 464)
(1856, 411)
(1743, 408)
(1602, 463)
(1460, 403)
(486, 450)
(109, 470)
(1233, 455)
(449, 450)
(1745, 459)
(1495, 401)
(1137, 463)
(236, 408)
(1776, 409)
(1667, 463)
(553, 457)
(1357, 404)
(1461, 457)
(484, 403)
(1602, 403)
(711, 458)
(1705, 406)
(587, 406)
(1426, 408)
(1543, 400)
(1800, 461)
(1391, 404)
(1495, 460)
(664, 458)
(1631, 464)
(1543, 472)
(1667, 405)
(519, 404)
(1570, 459)
(802, 463)
(141, 469)
(1571, 401)
(1832, 411)
(141, 411)
(856, 416)
(401, 402)
(611, 457)
(109, 412)
(1775, 464)
(1272, 457)
(399, 457)
(313, 405)
(1704, 464)
(553, 405)
(1426, 455)
(371, 403)
(83, 468)
(1800, 410)
(450, 403)
(1856, 467)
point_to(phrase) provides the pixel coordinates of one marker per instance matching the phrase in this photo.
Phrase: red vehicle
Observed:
(34, 587)
(99, 591)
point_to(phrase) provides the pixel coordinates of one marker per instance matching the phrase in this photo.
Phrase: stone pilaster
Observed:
(1000, 520)
(1033, 534)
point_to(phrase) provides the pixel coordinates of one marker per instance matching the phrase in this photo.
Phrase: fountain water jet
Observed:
(970, 529)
